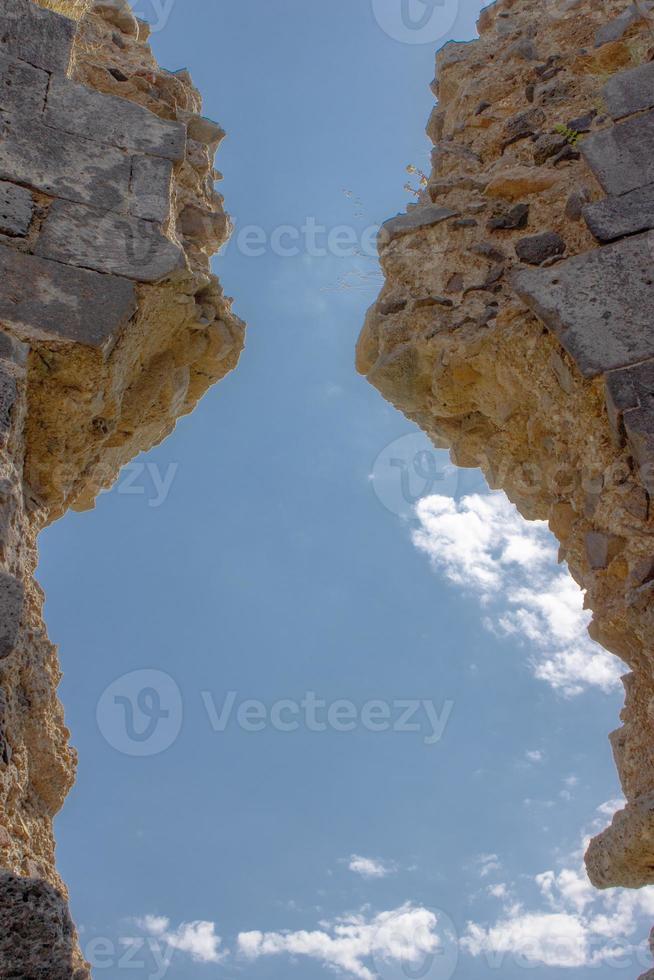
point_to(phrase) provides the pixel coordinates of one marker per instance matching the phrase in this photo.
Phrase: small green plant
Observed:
(571, 135)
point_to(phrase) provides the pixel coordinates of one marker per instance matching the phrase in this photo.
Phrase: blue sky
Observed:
(269, 553)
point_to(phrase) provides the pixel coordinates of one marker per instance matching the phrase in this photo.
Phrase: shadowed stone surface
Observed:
(12, 595)
(628, 389)
(62, 164)
(615, 217)
(16, 208)
(12, 349)
(36, 932)
(7, 399)
(43, 299)
(630, 91)
(22, 88)
(630, 404)
(537, 248)
(108, 242)
(599, 304)
(404, 224)
(621, 157)
(77, 109)
(41, 37)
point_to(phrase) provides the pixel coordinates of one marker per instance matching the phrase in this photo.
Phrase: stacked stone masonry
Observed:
(515, 325)
(112, 326)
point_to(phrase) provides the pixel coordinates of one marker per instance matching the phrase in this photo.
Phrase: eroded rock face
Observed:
(111, 327)
(538, 366)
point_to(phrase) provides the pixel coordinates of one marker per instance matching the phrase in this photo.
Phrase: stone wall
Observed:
(111, 327)
(515, 323)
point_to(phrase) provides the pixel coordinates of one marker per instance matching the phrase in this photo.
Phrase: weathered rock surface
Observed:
(37, 937)
(627, 214)
(112, 326)
(599, 304)
(630, 91)
(552, 395)
(621, 156)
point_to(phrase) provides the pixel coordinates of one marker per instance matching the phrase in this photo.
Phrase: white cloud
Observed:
(571, 925)
(198, 939)
(482, 544)
(369, 867)
(534, 756)
(405, 935)
(487, 864)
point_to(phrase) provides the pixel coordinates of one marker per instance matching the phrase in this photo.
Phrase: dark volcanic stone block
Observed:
(615, 217)
(414, 220)
(151, 187)
(536, 249)
(630, 405)
(630, 91)
(62, 164)
(599, 304)
(38, 36)
(621, 157)
(16, 207)
(108, 242)
(49, 301)
(75, 108)
(22, 88)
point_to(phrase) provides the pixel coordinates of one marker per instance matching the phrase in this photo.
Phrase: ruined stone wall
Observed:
(516, 323)
(111, 327)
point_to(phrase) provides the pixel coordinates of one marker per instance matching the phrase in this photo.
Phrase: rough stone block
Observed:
(22, 87)
(118, 244)
(414, 220)
(46, 300)
(616, 28)
(628, 389)
(36, 35)
(536, 249)
(621, 157)
(16, 207)
(37, 936)
(12, 597)
(74, 108)
(63, 164)
(599, 304)
(615, 217)
(630, 405)
(12, 350)
(630, 91)
(8, 394)
(118, 13)
(623, 855)
(151, 188)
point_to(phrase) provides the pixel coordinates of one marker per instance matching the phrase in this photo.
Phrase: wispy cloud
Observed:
(358, 944)
(482, 544)
(198, 939)
(487, 864)
(568, 923)
(370, 867)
